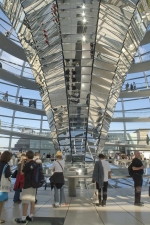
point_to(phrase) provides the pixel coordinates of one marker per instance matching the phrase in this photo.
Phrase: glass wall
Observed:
(12, 119)
(133, 108)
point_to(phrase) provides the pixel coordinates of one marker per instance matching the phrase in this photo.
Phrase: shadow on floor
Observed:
(47, 221)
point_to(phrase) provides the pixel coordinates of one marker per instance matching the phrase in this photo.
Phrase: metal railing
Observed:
(139, 86)
(23, 129)
(10, 66)
(134, 141)
(139, 114)
(26, 101)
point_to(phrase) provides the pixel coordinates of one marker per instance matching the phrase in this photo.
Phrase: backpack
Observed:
(130, 170)
(38, 176)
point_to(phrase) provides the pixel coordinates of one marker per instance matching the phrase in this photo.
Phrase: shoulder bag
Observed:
(5, 185)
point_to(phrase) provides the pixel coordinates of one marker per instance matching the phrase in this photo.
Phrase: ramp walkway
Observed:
(18, 80)
(12, 48)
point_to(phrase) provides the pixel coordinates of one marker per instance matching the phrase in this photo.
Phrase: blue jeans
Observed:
(58, 201)
(17, 195)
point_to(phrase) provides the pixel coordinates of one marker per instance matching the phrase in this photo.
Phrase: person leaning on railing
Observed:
(6, 96)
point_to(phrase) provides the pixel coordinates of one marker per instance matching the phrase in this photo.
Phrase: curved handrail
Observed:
(23, 129)
(138, 86)
(16, 71)
(125, 141)
(139, 114)
(14, 99)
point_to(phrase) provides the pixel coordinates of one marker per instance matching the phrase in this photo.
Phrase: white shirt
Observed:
(106, 168)
(57, 167)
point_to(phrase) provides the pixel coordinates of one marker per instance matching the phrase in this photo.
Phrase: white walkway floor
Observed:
(119, 210)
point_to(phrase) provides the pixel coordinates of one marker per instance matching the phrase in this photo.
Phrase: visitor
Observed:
(57, 181)
(34, 103)
(98, 177)
(131, 87)
(147, 139)
(107, 174)
(92, 53)
(137, 167)
(84, 29)
(127, 87)
(21, 100)
(28, 193)
(43, 156)
(134, 86)
(67, 72)
(4, 169)
(30, 102)
(53, 157)
(67, 78)
(7, 33)
(0, 65)
(73, 72)
(73, 78)
(39, 162)
(48, 156)
(19, 181)
(73, 86)
(6, 96)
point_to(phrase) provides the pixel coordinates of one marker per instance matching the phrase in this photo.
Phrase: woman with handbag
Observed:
(57, 180)
(5, 174)
(19, 181)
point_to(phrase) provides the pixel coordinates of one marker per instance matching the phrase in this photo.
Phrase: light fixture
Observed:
(83, 38)
(79, 171)
(84, 20)
(83, 7)
(83, 14)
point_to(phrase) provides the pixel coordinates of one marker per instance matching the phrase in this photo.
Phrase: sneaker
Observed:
(103, 204)
(142, 203)
(29, 218)
(97, 204)
(139, 204)
(19, 220)
(18, 202)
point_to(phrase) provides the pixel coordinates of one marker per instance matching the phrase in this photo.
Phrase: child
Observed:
(28, 193)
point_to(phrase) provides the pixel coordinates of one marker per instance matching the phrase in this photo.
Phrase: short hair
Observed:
(101, 156)
(6, 156)
(30, 154)
(58, 157)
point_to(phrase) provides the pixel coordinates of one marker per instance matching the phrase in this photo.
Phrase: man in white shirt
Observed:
(107, 175)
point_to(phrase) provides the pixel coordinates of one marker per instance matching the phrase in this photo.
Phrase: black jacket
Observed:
(57, 179)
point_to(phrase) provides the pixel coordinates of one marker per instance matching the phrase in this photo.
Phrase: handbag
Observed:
(5, 182)
(95, 195)
(14, 174)
(3, 196)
